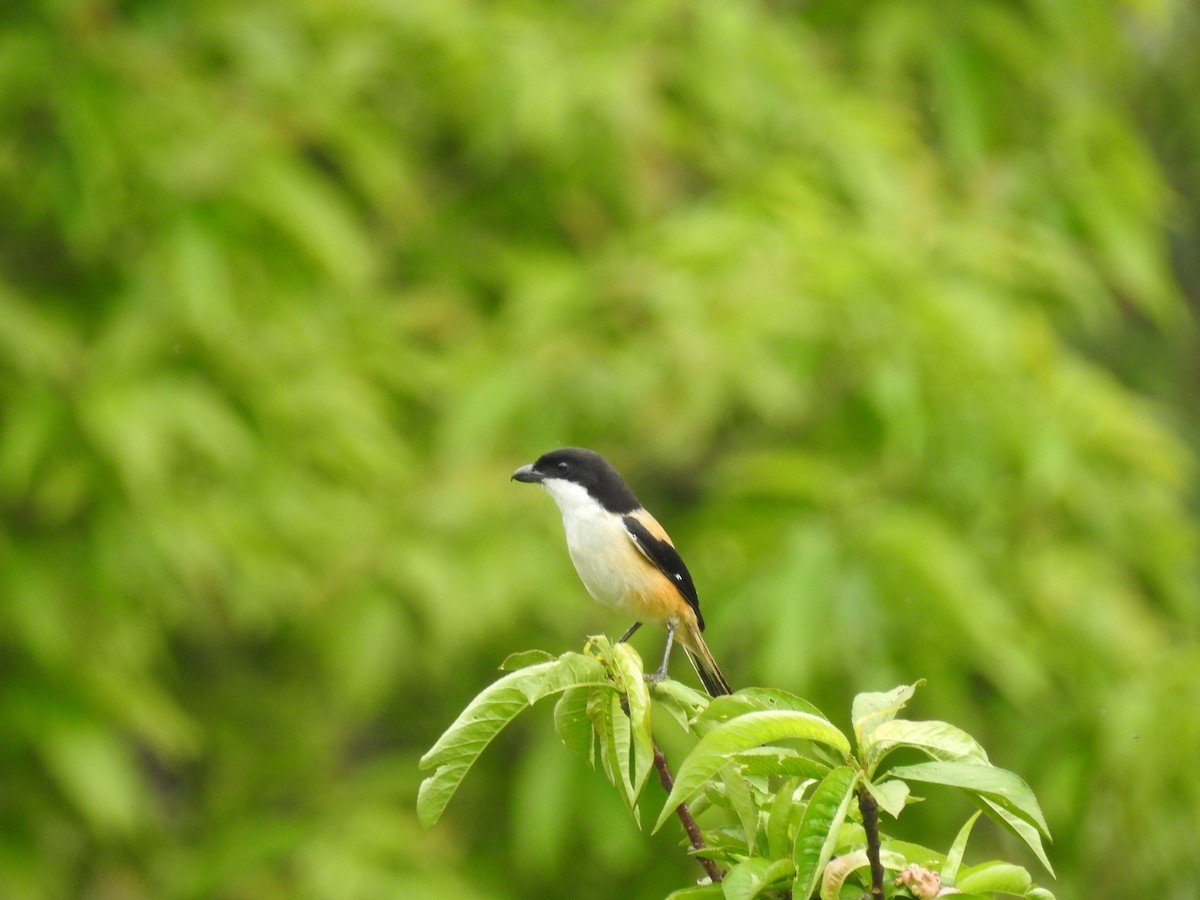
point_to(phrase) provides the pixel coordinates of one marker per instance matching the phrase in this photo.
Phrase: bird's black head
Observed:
(586, 468)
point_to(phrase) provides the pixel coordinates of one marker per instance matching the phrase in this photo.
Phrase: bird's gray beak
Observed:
(527, 474)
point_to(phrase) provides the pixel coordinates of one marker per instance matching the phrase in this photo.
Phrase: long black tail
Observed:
(706, 667)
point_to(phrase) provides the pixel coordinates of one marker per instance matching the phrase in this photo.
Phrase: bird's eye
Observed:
(562, 468)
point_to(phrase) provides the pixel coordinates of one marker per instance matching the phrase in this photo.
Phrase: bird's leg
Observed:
(628, 634)
(661, 674)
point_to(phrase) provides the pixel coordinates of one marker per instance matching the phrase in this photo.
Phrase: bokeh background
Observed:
(887, 309)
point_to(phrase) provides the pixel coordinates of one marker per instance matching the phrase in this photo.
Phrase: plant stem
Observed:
(870, 817)
(685, 816)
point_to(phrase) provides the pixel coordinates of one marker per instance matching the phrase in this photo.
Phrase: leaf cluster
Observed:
(786, 776)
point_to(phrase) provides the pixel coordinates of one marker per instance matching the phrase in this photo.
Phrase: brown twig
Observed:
(870, 816)
(685, 816)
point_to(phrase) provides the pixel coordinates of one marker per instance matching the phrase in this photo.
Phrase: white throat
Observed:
(576, 504)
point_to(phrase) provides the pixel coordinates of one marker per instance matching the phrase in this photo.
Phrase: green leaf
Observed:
(484, 717)
(913, 853)
(779, 819)
(722, 709)
(32, 341)
(751, 877)
(1018, 827)
(741, 798)
(599, 712)
(997, 785)
(305, 206)
(95, 769)
(637, 696)
(525, 658)
(572, 723)
(954, 858)
(775, 760)
(995, 876)
(870, 710)
(742, 733)
(939, 740)
(704, 892)
(613, 729)
(681, 702)
(890, 795)
(817, 836)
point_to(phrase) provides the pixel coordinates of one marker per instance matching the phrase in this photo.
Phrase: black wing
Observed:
(667, 560)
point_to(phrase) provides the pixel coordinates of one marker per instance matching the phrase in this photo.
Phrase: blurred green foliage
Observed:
(873, 303)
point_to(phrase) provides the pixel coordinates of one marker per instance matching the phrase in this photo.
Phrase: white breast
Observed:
(604, 555)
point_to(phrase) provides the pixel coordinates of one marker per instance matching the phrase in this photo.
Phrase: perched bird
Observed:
(623, 556)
